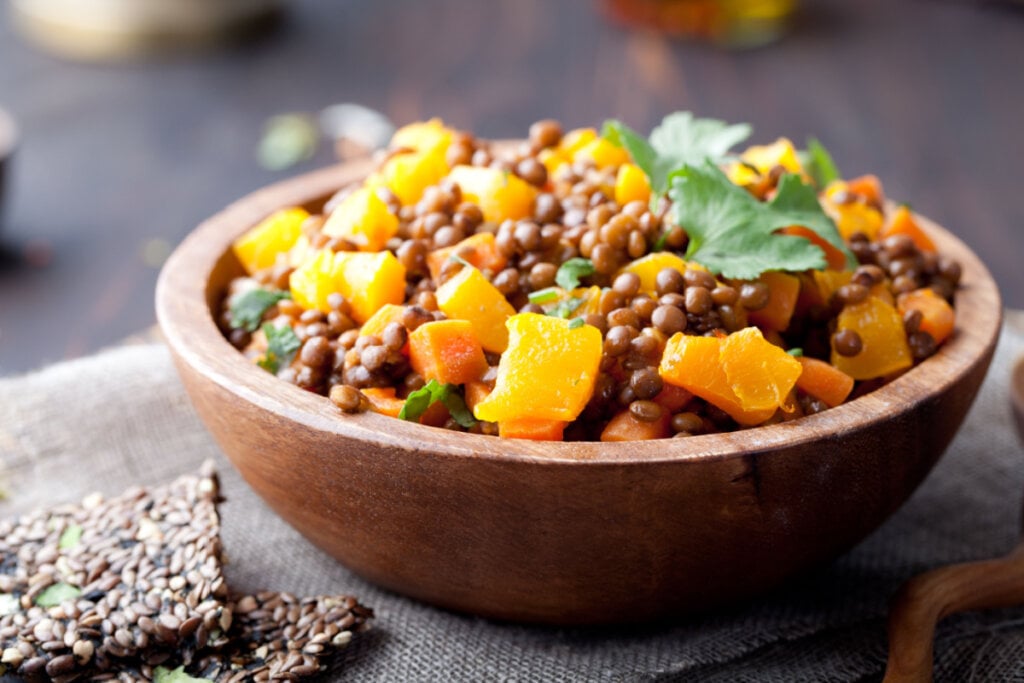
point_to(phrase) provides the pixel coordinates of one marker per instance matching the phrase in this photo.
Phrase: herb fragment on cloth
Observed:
(247, 309)
(164, 675)
(57, 593)
(734, 235)
(70, 537)
(680, 140)
(569, 273)
(433, 392)
(282, 345)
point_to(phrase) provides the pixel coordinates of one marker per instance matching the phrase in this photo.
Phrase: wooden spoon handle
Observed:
(924, 600)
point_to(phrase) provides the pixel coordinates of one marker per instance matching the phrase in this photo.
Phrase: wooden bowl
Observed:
(566, 533)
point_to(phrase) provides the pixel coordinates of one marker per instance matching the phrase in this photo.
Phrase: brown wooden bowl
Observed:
(563, 532)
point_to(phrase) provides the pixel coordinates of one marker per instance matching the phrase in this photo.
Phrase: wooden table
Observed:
(119, 161)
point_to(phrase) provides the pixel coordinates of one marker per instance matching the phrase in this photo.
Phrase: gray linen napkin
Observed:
(121, 418)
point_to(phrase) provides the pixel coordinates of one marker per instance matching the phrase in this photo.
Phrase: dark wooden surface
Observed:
(120, 158)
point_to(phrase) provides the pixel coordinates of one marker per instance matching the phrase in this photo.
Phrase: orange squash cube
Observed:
(363, 219)
(885, 349)
(499, 195)
(258, 248)
(448, 351)
(470, 296)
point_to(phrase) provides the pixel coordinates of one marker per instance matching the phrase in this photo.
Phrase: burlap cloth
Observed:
(121, 417)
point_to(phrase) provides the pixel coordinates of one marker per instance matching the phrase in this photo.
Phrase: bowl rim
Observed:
(191, 332)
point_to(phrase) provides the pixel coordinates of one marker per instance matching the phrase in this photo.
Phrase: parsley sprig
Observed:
(247, 309)
(569, 273)
(282, 345)
(433, 392)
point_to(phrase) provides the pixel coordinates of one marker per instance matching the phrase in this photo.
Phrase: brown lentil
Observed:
(847, 343)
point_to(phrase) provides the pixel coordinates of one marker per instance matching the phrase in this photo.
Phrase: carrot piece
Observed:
(835, 259)
(672, 398)
(937, 316)
(383, 401)
(783, 291)
(626, 427)
(532, 429)
(903, 223)
(448, 351)
(478, 250)
(869, 187)
(824, 381)
(476, 392)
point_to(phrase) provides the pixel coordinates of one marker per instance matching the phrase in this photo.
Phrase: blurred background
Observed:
(131, 135)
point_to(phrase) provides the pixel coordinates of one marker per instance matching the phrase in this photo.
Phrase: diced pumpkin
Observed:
(824, 381)
(829, 281)
(259, 246)
(695, 364)
(851, 217)
(626, 427)
(409, 175)
(631, 185)
(479, 250)
(499, 194)
(423, 136)
(648, 267)
(576, 139)
(937, 316)
(531, 429)
(760, 373)
(880, 327)
(834, 258)
(602, 152)
(384, 401)
(903, 223)
(367, 280)
(764, 158)
(553, 159)
(546, 373)
(470, 296)
(314, 280)
(385, 315)
(363, 219)
(476, 391)
(783, 290)
(869, 187)
(448, 351)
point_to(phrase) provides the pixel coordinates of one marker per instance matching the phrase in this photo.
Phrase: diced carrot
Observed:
(383, 401)
(937, 316)
(824, 381)
(476, 392)
(869, 187)
(673, 398)
(903, 223)
(531, 429)
(448, 351)
(478, 250)
(626, 427)
(835, 259)
(435, 415)
(783, 290)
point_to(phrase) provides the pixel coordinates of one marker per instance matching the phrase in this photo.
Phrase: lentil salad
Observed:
(548, 290)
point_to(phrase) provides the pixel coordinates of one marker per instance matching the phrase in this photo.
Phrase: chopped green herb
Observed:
(287, 140)
(282, 345)
(733, 234)
(458, 259)
(576, 322)
(565, 307)
(796, 352)
(681, 139)
(543, 296)
(433, 392)
(56, 594)
(9, 604)
(819, 164)
(164, 675)
(70, 537)
(659, 244)
(570, 272)
(247, 309)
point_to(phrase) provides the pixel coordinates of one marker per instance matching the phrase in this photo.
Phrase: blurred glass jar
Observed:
(732, 23)
(104, 29)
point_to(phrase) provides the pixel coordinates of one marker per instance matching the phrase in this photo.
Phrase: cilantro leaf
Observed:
(164, 675)
(433, 392)
(796, 352)
(733, 234)
(70, 537)
(680, 140)
(565, 307)
(57, 593)
(247, 309)
(282, 345)
(543, 296)
(570, 272)
(819, 164)
(576, 322)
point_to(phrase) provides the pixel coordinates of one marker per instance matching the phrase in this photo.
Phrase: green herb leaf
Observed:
(287, 140)
(796, 352)
(247, 309)
(681, 139)
(458, 259)
(70, 537)
(57, 593)
(432, 392)
(282, 345)
(565, 307)
(570, 272)
(576, 322)
(9, 604)
(819, 164)
(543, 296)
(164, 675)
(734, 234)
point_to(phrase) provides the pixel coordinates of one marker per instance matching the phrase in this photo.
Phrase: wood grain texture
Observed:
(563, 532)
